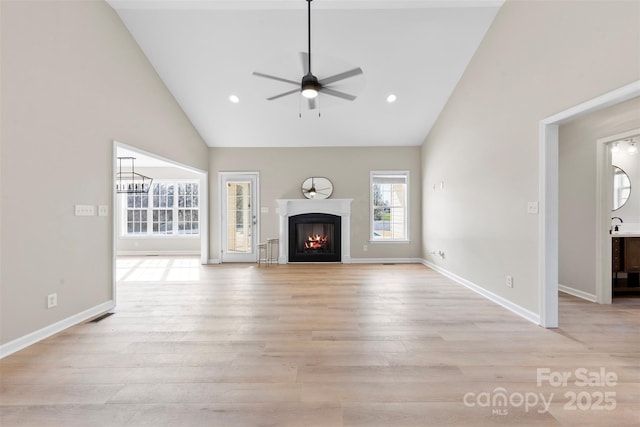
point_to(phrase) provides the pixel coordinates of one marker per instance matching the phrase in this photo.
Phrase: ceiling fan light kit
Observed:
(310, 86)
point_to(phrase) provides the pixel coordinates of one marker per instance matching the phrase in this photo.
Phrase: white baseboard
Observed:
(156, 253)
(386, 261)
(514, 308)
(214, 261)
(32, 338)
(577, 293)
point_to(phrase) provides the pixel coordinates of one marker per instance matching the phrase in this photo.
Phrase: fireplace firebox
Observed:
(314, 237)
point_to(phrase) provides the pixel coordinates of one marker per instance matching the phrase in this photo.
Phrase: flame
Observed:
(316, 241)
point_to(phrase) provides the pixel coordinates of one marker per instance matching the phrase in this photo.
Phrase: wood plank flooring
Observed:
(322, 345)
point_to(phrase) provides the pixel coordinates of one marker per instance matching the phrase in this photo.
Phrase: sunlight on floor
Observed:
(154, 269)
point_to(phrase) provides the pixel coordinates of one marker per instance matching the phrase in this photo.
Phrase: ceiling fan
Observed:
(311, 86)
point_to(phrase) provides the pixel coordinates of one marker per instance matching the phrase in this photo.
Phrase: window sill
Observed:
(387, 242)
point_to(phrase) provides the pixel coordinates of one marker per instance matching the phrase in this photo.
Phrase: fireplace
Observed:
(340, 208)
(314, 237)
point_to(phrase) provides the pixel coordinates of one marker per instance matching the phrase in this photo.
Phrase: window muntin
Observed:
(155, 213)
(389, 211)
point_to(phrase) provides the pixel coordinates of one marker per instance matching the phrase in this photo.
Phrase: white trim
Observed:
(577, 293)
(514, 308)
(160, 253)
(214, 261)
(548, 188)
(36, 336)
(386, 260)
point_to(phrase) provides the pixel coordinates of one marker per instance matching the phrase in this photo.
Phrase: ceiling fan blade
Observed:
(342, 95)
(312, 103)
(283, 94)
(304, 58)
(341, 76)
(280, 79)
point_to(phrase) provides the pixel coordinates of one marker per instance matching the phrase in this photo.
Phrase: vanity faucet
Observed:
(617, 225)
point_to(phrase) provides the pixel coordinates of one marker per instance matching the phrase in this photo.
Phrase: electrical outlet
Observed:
(532, 208)
(509, 281)
(365, 248)
(52, 300)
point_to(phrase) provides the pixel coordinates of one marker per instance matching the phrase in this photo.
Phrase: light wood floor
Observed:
(320, 345)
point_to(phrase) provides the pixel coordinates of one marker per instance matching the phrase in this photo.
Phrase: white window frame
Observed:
(149, 209)
(399, 173)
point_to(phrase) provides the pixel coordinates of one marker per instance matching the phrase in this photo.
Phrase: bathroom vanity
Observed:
(625, 263)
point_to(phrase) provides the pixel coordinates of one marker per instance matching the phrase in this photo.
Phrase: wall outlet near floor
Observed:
(52, 300)
(509, 281)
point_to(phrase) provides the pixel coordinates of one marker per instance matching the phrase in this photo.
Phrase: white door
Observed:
(239, 216)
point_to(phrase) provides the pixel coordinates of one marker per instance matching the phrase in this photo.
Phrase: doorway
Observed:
(240, 229)
(169, 220)
(548, 189)
(604, 202)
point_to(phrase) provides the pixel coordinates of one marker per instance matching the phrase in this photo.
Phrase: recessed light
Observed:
(234, 99)
(391, 98)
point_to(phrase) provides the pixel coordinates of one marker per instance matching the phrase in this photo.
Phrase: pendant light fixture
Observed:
(128, 180)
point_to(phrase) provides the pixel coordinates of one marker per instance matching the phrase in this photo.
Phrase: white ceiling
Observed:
(207, 50)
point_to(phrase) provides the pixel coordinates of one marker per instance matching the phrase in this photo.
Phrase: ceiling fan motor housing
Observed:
(310, 86)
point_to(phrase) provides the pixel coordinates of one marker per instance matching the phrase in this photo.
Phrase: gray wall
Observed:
(577, 190)
(73, 80)
(282, 171)
(537, 59)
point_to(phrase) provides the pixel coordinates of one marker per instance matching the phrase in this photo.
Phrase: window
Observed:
(137, 213)
(155, 213)
(389, 213)
(188, 208)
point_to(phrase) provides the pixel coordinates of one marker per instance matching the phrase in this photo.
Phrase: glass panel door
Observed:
(239, 217)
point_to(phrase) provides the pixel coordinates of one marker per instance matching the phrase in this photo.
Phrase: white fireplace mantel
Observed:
(290, 207)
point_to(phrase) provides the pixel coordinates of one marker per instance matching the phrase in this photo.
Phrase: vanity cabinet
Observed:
(632, 254)
(625, 263)
(616, 251)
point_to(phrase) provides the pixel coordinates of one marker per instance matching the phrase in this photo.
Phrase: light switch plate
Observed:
(103, 210)
(85, 210)
(264, 210)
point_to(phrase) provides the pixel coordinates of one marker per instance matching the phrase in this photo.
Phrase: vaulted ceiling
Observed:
(207, 50)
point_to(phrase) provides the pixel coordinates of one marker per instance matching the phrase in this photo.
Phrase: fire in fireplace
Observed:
(316, 242)
(314, 238)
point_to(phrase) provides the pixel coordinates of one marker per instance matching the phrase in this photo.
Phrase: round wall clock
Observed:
(317, 188)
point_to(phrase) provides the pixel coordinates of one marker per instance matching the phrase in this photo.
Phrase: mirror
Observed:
(621, 188)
